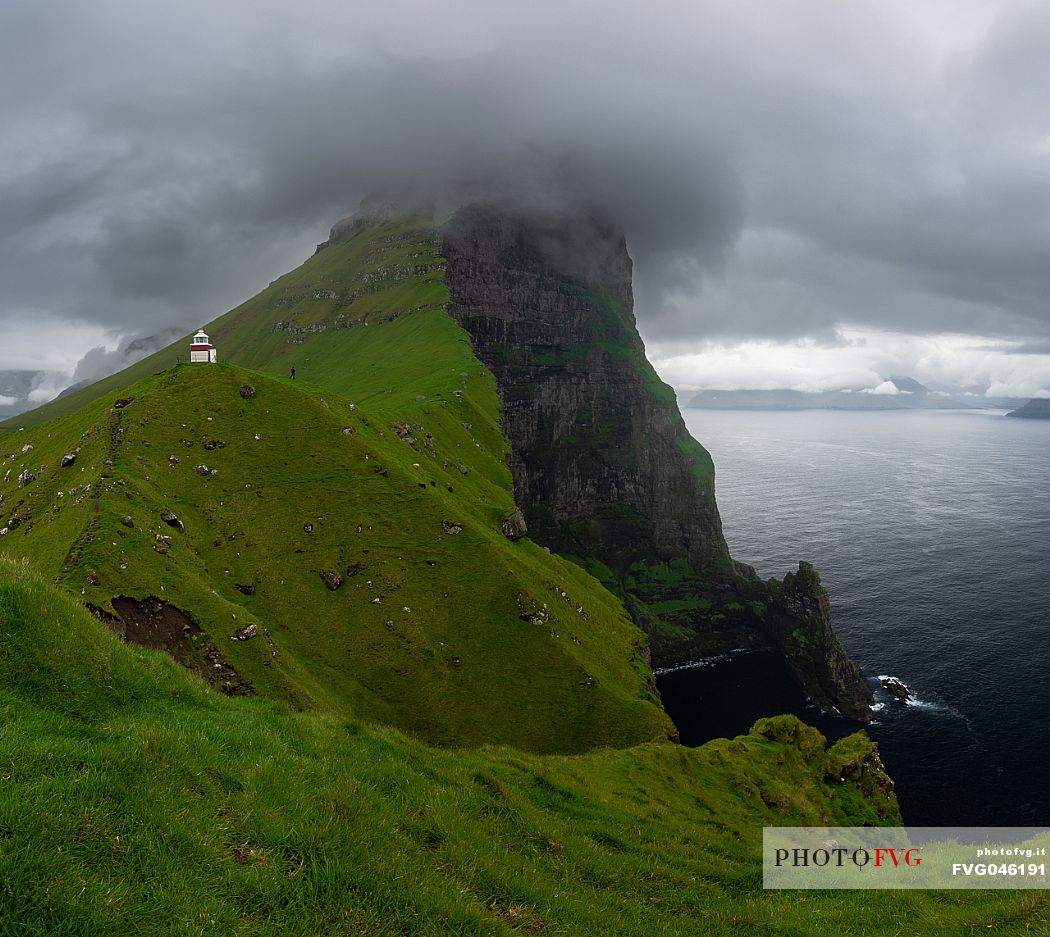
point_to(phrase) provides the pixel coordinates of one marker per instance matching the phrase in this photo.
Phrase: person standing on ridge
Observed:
(293, 372)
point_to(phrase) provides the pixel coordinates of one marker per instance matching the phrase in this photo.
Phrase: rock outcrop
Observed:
(604, 468)
(798, 619)
(514, 527)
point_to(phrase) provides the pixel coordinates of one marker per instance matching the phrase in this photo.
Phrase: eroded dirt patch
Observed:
(157, 624)
(154, 623)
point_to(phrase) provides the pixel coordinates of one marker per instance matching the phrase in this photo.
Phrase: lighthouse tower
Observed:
(201, 349)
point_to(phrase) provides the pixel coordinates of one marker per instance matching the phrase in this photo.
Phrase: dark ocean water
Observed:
(930, 531)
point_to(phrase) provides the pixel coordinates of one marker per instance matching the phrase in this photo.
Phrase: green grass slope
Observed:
(133, 800)
(460, 637)
(363, 317)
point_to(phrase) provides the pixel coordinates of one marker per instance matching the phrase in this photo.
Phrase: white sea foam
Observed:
(914, 701)
(703, 661)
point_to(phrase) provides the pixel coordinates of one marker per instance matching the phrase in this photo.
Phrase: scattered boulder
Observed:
(68, 459)
(246, 633)
(353, 569)
(123, 402)
(349, 431)
(451, 528)
(245, 588)
(127, 521)
(202, 469)
(247, 391)
(214, 444)
(164, 538)
(173, 459)
(25, 478)
(531, 610)
(331, 579)
(161, 548)
(308, 528)
(172, 521)
(514, 526)
(463, 470)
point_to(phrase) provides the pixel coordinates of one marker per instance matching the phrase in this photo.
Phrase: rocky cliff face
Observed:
(603, 463)
(604, 468)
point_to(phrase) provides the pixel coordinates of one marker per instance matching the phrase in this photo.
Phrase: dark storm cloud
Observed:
(779, 169)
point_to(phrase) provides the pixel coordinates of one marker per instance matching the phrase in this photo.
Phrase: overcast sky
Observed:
(817, 193)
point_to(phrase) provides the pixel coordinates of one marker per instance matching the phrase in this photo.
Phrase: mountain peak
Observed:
(908, 385)
(446, 377)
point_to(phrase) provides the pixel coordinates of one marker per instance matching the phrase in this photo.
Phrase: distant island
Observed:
(895, 393)
(1037, 409)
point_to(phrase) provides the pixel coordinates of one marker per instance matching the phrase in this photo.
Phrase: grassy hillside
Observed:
(389, 437)
(373, 300)
(304, 798)
(460, 637)
(133, 800)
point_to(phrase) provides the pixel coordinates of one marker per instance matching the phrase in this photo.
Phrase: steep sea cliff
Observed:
(604, 468)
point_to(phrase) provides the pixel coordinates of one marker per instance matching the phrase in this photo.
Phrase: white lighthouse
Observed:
(201, 349)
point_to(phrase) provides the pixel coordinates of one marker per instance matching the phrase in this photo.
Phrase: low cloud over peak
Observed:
(780, 171)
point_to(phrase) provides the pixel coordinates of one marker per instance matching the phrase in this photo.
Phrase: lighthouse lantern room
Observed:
(201, 349)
